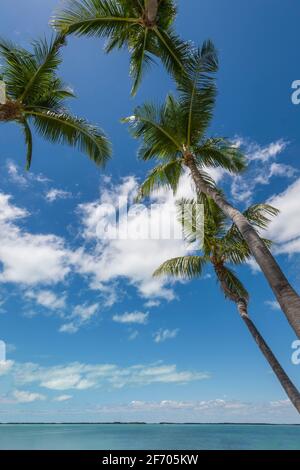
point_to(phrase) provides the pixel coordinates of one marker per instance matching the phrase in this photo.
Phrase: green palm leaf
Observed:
(35, 93)
(19, 66)
(28, 141)
(155, 126)
(259, 214)
(232, 287)
(218, 152)
(125, 23)
(95, 17)
(64, 128)
(166, 175)
(186, 267)
(47, 59)
(140, 59)
(197, 91)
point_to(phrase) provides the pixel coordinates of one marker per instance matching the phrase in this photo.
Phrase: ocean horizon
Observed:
(149, 436)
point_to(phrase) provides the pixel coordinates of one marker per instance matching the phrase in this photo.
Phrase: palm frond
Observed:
(154, 125)
(197, 91)
(64, 128)
(172, 51)
(47, 59)
(165, 175)
(218, 152)
(95, 17)
(186, 267)
(260, 214)
(19, 66)
(54, 98)
(167, 12)
(234, 251)
(231, 286)
(140, 59)
(28, 141)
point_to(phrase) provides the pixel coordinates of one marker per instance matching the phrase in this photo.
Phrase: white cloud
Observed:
(21, 396)
(215, 410)
(82, 314)
(69, 328)
(273, 304)
(152, 303)
(135, 260)
(133, 335)
(47, 299)
(261, 168)
(85, 312)
(15, 175)
(77, 376)
(22, 178)
(162, 335)
(133, 317)
(9, 212)
(264, 153)
(5, 367)
(63, 398)
(54, 194)
(280, 169)
(285, 228)
(28, 258)
(280, 403)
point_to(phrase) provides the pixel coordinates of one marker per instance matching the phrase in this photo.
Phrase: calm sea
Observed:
(150, 436)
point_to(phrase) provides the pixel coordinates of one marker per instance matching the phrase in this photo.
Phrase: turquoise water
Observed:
(150, 436)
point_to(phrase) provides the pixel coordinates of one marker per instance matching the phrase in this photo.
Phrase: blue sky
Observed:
(89, 336)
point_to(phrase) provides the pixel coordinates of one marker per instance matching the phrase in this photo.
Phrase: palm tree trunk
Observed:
(151, 10)
(283, 378)
(287, 297)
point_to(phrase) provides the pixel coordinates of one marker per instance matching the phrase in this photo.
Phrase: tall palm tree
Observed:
(174, 134)
(32, 93)
(223, 245)
(142, 26)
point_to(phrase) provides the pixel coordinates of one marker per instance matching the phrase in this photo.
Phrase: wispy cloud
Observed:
(79, 376)
(273, 304)
(22, 396)
(163, 335)
(81, 315)
(261, 168)
(133, 317)
(21, 178)
(63, 398)
(55, 194)
(28, 258)
(47, 299)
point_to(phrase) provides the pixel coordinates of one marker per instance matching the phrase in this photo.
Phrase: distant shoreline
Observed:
(147, 424)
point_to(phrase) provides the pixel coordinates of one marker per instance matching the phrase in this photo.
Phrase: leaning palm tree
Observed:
(174, 134)
(142, 26)
(32, 93)
(223, 244)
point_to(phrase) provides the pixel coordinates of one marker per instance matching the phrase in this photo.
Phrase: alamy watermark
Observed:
(296, 353)
(295, 97)
(2, 351)
(125, 221)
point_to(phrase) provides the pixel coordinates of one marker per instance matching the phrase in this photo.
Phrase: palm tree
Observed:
(32, 93)
(142, 26)
(174, 134)
(223, 245)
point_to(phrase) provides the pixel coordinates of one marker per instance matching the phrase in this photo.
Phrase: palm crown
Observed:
(143, 26)
(222, 244)
(35, 94)
(173, 132)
